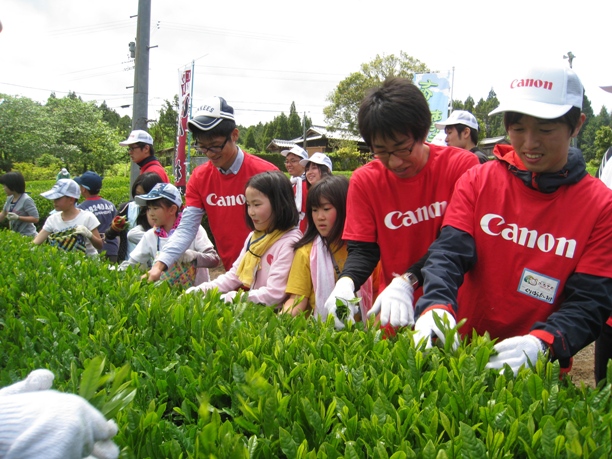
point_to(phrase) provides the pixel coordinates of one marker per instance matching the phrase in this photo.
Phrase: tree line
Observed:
(69, 132)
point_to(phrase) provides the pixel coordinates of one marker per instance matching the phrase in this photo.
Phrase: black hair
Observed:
(277, 188)
(223, 129)
(147, 181)
(570, 119)
(462, 127)
(323, 169)
(334, 189)
(14, 181)
(397, 107)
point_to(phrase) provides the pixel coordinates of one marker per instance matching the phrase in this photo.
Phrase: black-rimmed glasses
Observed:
(401, 153)
(213, 150)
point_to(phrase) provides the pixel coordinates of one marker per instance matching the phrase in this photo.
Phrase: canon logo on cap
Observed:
(531, 83)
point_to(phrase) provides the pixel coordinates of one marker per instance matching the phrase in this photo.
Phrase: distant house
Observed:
(487, 145)
(318, 138)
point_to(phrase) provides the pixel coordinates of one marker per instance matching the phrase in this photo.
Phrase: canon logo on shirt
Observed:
(495, 225)
(225, 201)
(396, 219)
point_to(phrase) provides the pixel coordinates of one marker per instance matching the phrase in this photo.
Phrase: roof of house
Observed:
(314, 133)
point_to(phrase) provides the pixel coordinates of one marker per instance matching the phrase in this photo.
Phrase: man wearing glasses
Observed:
(215, 188)
(396, 202)
(140, 148)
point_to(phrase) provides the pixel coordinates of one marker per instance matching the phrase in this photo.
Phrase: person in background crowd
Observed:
(298, 179)
(63, 173)
(527, 237)
(69, 228)
(105, 211)
(397, 201)
(321, 253)
(461, 130)
(263, 265)
(140, 147)
(215, 188)
(164, 204)
(19, 208)
(132, 222)
(317, 167)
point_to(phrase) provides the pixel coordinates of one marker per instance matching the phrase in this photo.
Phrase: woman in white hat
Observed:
(317, 166)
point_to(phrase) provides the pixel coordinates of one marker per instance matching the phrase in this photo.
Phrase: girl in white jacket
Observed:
(163, 204)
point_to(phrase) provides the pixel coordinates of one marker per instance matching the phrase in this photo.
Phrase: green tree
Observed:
(164, 130)
(346, 98)
(281, 130)
(123, 124)
(294, 122)
(249, 141)
(25, 131)
(490, 126)
(83, 140)
(603, 141)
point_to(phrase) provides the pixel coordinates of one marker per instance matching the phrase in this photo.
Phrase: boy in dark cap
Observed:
(105, 211)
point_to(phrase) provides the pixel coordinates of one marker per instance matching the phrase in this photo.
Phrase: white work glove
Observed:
(425, 328)
(81, 229)
(516, 352)
(229, 296)
(36, 422)
(12, 216)
(395, 304)
(188, 256)
(203, 287)
(344, 290)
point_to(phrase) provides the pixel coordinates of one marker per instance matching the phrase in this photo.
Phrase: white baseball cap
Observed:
(298, 151)
(458, 117)
(542, 92)
(137, 136)
(210, 114)
(160, 190)
(318, 158)
(63, 187)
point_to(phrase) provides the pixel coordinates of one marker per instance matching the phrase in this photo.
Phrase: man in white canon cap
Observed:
(527, 237)
(215, 188)
(461, 129)
(293, 158)
(140, 148)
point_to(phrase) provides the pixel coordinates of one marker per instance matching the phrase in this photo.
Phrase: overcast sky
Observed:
(262, 55)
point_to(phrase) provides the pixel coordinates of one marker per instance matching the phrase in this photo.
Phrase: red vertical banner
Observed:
(180, 172)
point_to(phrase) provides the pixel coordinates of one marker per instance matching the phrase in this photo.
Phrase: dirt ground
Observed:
(582, 369)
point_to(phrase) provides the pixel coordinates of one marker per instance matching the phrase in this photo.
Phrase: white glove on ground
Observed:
(516, 352)
(395, 304)
(425, 328)
(51, 424)
(81, 229)
(12, 216)
(188, 256)
(345, 290)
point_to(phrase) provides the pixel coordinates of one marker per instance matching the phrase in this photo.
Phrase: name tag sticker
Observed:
(538, 286)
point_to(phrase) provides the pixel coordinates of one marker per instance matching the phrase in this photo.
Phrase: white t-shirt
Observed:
(55, 224)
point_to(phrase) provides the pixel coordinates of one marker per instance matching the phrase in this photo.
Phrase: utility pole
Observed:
(140, 113)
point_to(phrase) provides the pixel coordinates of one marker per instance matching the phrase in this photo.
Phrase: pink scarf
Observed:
(161, 231)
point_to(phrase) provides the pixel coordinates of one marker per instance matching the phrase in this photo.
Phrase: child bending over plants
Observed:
(132, 222)
(70, 228)
(263, 265)
(164, 203)
(321, 253)
(19, 209)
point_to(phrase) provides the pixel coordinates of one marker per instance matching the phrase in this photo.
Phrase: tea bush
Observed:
(188, 376)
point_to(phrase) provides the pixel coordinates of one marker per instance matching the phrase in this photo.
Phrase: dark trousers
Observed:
(603, 352)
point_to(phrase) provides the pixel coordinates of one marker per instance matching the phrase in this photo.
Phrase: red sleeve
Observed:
(360, 224)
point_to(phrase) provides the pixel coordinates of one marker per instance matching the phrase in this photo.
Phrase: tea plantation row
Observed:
(190, 377)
